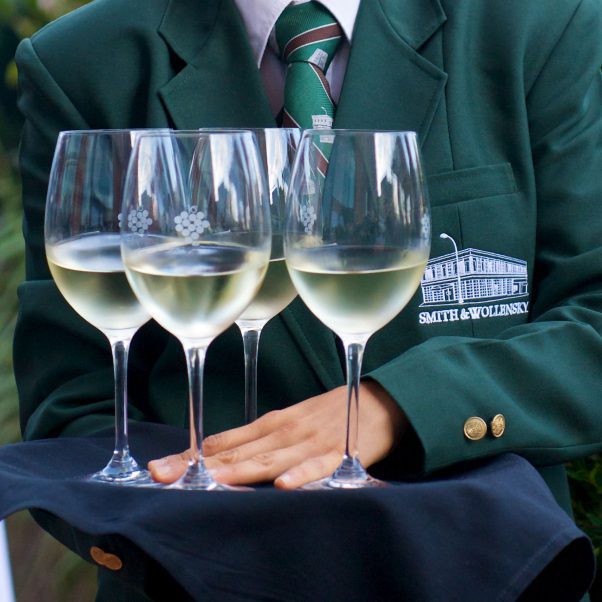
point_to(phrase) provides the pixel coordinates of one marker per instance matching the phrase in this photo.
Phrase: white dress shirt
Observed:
(260, 16)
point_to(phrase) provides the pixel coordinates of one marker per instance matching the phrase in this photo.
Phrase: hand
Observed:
(299, 444)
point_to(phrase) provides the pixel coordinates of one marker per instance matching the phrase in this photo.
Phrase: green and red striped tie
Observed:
(308, 37)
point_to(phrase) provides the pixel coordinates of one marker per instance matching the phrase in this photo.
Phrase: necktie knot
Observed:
(308, 33)
(308, 37)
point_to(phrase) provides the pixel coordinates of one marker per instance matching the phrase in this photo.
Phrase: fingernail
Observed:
(285, 479)
(163, 472)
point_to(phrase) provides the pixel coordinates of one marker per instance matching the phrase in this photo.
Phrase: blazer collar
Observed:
(220, 84)
(187, 24)
(414, 20)
(389, 84)
(210, 38)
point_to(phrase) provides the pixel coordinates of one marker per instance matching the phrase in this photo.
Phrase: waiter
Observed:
(506, 99)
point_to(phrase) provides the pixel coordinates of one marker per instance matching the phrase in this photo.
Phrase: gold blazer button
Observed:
(109, 561)
(475, 428)
(498, 425)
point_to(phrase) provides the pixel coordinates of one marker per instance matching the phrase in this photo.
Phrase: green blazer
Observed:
(506, 98)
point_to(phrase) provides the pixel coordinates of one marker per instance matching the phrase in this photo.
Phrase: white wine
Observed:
(195, 291)
(276, 292)
(89, 272)
(356, 290)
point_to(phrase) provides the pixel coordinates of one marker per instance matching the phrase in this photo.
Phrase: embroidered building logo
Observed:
(322, 122)
(467, 280)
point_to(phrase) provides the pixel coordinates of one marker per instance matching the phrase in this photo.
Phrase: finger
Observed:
(232, 438)
(310, 470)
(170, 468)
(287, 435)
(263, 466)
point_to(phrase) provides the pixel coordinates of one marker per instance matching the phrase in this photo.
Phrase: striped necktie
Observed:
(307, 36)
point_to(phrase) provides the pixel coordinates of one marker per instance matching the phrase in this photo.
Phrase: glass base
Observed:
(123, 470)
(334, 483)
(349, 475)
(197, 478)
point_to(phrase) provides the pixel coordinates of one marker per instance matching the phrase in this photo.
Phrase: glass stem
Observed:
(351, 468)
(121, 454)
(250, 339)
(195, 361)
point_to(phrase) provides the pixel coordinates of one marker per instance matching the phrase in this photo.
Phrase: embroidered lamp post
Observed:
(460, 297)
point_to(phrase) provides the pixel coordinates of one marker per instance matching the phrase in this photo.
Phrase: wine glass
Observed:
(83, 250)
(277, 147)
(356, 242)
(196, 243)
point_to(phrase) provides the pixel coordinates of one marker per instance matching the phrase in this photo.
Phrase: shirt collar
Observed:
(260, 16)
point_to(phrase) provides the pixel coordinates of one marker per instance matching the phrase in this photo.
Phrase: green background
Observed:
(42, 568)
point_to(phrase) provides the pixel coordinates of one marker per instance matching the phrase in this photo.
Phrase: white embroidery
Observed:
(472, 276)
(138, 221)
(426, 227)
(326, 139)
(308, 217)
(319, 58)
(498, 310)
(321, 122)
(191, 224)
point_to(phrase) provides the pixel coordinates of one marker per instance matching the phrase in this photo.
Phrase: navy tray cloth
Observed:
(489, 531)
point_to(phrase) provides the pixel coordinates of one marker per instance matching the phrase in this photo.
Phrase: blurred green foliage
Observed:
(34, 554)
(19, 19)
(11, 268)
(586, 486)
(25, 17)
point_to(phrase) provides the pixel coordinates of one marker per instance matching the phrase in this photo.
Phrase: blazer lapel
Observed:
(219, 85)
(388, 84)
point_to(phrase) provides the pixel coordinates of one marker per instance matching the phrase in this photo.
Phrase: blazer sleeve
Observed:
(545, 376)
(62, 364)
